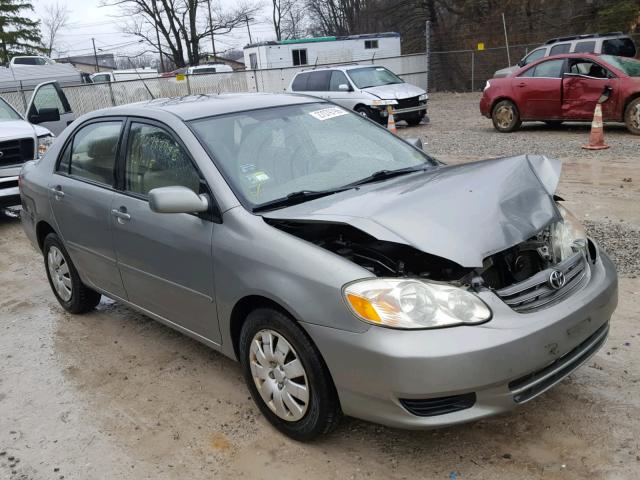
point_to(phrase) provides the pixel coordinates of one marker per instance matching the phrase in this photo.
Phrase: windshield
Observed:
(8, 113)
(628, 65)
(373, 77)
(270, 153)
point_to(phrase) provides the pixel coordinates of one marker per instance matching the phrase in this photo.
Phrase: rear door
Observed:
(46, 99)
(81, 191)
(538, 91)
(582, 85)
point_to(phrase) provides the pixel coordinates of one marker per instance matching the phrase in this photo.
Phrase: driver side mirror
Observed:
(177, 200)
(45, 115)
(343, 87)
(415, 142)
(521, 63)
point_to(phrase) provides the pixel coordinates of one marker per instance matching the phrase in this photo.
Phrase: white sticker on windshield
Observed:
(327, 113)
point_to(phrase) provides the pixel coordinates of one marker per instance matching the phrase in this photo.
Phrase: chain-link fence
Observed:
(89, 97)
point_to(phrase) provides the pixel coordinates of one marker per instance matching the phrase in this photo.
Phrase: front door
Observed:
(582, 86)
(48, 97)
(81, 192)
(538, 91)
(165, 259)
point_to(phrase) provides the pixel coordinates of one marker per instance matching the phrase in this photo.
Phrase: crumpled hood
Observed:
(463, 213)
(395, 91)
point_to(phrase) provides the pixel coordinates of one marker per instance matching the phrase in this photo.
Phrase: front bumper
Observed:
(9, 192)
(509, 360)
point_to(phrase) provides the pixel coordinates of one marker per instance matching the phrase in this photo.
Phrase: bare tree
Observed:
(55, 19)
(176, 27)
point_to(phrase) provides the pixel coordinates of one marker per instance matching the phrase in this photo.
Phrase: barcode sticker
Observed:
(327, 113)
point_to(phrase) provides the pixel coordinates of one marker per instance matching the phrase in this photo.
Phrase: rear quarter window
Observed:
(622, 47)
(585, 47)
(300, 83)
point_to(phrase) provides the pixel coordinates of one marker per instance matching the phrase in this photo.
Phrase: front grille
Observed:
(533, 384)
(536, 292)
(408, 102)
(439, 406)
(15, 152)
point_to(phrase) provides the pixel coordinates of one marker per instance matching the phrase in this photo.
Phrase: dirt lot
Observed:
(115, 395)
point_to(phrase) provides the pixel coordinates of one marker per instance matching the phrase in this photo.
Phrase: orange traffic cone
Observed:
(391, 123)
(596, 138)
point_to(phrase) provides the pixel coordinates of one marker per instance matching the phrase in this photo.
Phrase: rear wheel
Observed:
(632, 117)
(506, 117)
(286, 376)
(72, 294)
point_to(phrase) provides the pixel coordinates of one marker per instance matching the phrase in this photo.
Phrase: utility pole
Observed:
(95, 54)
(506, 39)
(246, 18)
(213, 43)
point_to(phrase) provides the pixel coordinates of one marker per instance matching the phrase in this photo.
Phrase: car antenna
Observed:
(153, 97)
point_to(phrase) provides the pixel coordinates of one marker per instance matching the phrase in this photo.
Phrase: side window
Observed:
(300, 83)
(560, 48)
(549, 69)
(299, 57)
(253, 61)
(589, 69)
(155, 159)
(533, 56)
(585, 47)
(319, 81)
(622, 47)
(47, 97)
(101, 78)
(337, 78)
(369, 44)
(93, 152)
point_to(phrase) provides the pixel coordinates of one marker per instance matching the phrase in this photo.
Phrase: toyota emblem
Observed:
(557, 279)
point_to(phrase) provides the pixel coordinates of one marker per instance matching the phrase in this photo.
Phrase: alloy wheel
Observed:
(59, 273)
(504, 116)
(279, 375)
(635, 117)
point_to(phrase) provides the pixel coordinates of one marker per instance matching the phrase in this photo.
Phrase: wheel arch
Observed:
(499, 99)
(630, 98)
(43, 228)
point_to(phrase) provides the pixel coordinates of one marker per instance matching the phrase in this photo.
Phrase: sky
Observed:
(88, 20)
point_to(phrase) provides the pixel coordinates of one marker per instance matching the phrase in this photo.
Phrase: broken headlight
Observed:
(411, 304)
(568, 236)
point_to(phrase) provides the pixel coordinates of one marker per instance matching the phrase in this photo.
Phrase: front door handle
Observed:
(121, 214)
(57, 192)
(522, 84)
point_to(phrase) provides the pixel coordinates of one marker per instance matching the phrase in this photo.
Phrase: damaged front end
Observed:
(514, 238)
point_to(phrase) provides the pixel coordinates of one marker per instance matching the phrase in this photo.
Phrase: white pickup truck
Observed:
(48, 113)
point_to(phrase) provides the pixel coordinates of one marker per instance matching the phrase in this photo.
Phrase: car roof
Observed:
(339, 67)
(192, 107)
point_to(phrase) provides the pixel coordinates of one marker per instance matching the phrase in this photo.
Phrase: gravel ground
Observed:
(115, 395)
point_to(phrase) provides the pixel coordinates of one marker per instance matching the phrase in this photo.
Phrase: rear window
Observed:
(585, 47)
(561, 48)
(300, 83)
(623, 47)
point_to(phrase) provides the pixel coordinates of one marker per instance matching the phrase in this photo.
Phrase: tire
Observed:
(414, 121)
(72, 294)
(554, 123)
(368, 113)
(506, 117)
(632, 116)
(313, 414)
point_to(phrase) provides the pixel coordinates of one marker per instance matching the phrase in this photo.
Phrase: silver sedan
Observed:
(347, 270)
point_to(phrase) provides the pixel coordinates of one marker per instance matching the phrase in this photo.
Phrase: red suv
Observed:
(565, 88)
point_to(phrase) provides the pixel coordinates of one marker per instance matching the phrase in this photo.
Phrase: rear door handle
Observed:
(57, 192)
(522, 84)
(121, 214)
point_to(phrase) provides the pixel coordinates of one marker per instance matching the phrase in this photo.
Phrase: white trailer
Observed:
(26, 77)
(321, 50)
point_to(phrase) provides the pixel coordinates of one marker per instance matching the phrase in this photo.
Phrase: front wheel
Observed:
(368, 113)
(632, 117)
(414, 120)
(72, 294)
(286, 376)
(506, 117)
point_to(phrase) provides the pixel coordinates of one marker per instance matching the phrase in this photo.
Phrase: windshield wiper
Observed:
(386, 174)
(295, 198)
